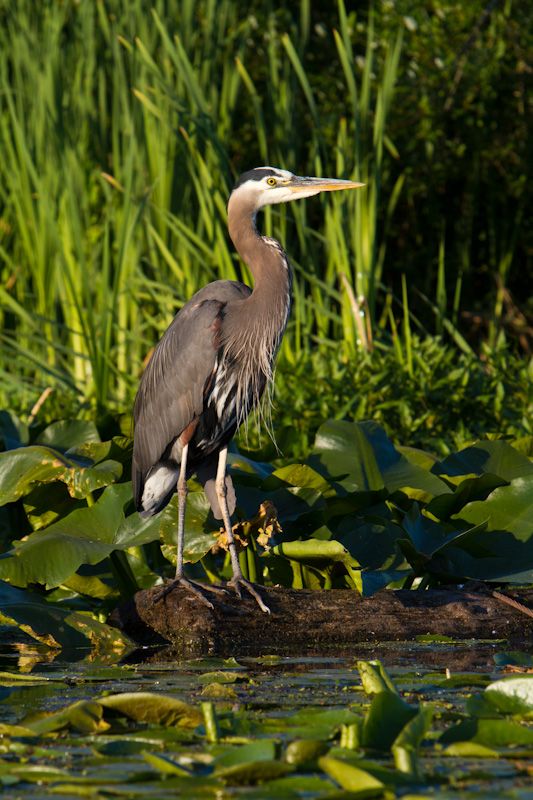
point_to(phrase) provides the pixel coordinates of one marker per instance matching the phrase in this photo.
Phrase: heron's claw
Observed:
(194, 587)
(237, 581)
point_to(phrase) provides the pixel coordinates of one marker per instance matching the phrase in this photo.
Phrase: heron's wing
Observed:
(171, 392)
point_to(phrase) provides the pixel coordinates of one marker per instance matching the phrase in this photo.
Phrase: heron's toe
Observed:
(236, 582)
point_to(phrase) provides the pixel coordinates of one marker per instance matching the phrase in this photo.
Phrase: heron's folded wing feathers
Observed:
(171, 393)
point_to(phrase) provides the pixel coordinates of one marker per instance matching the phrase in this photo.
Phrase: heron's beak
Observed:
(306, 187)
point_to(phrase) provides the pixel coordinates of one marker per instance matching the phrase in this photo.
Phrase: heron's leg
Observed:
(238, 579)
(180, 579)
(183, 491)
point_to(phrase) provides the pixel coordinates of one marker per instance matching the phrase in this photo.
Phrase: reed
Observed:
(121, 133)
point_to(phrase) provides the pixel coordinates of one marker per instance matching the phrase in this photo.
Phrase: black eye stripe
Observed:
(256, 175)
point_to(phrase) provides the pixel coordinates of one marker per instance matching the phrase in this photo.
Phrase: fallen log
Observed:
(302, 619)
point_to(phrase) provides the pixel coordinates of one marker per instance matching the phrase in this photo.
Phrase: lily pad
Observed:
(513, 695)
(159, 709)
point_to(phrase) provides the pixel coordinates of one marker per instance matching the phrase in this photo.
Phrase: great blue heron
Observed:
(212, 365)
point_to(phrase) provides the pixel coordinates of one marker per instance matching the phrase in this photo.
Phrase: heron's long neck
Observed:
(255, 326)
(267, 262)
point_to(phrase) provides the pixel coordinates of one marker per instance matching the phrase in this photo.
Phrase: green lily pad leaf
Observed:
(373, 542)
(240, 466)
(84, 716)
(455, 563)
(415, 729)
(123, 745)
(467, 491)
(21, 469)
(406, 762)
(332, 718)
(299, 475)
(45, 503)
(91, 586)
(221, 677)
(39, 773)
(351, 778)
(375, 677)
(313, 550)
(86, 536)
(368, 582)
(301, 751)
(119, 448)
(134, 531)
(387, 716)
(416, 456)
(293, 787)
(55, 625)
(488, 732)
(201, 531)
(496, 457)
(513, 695)
(508, 509)
(219, 691)
(165, 765)
(514, 658)
(433, 637)
(457, 681)
(155, 708)
(470, 750)
(67, 433)
(253, 773)
(13, 432)
(390, 777)
(524, 446)
(260, 750)
(361, 458)
(15, 730)
(290, 502)
(477, 705)
(428, 536)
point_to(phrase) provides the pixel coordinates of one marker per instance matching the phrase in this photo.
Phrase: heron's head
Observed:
(265, 186)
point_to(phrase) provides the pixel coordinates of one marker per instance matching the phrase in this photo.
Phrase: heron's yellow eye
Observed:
(271, 181)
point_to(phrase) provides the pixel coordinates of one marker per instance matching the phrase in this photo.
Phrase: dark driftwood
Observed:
(311, 620)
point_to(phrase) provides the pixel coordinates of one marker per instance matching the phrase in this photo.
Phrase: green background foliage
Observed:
(122, 130)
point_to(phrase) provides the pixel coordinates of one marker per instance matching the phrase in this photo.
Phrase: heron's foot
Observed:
(197, 589)
(239, 580)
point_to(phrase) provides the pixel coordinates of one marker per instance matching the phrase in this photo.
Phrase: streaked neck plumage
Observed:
(256, 329)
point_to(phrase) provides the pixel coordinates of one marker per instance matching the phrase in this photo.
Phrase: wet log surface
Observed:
(312, 621)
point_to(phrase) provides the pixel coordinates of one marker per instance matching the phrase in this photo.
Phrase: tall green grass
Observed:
(122, 131)
(119, 129)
